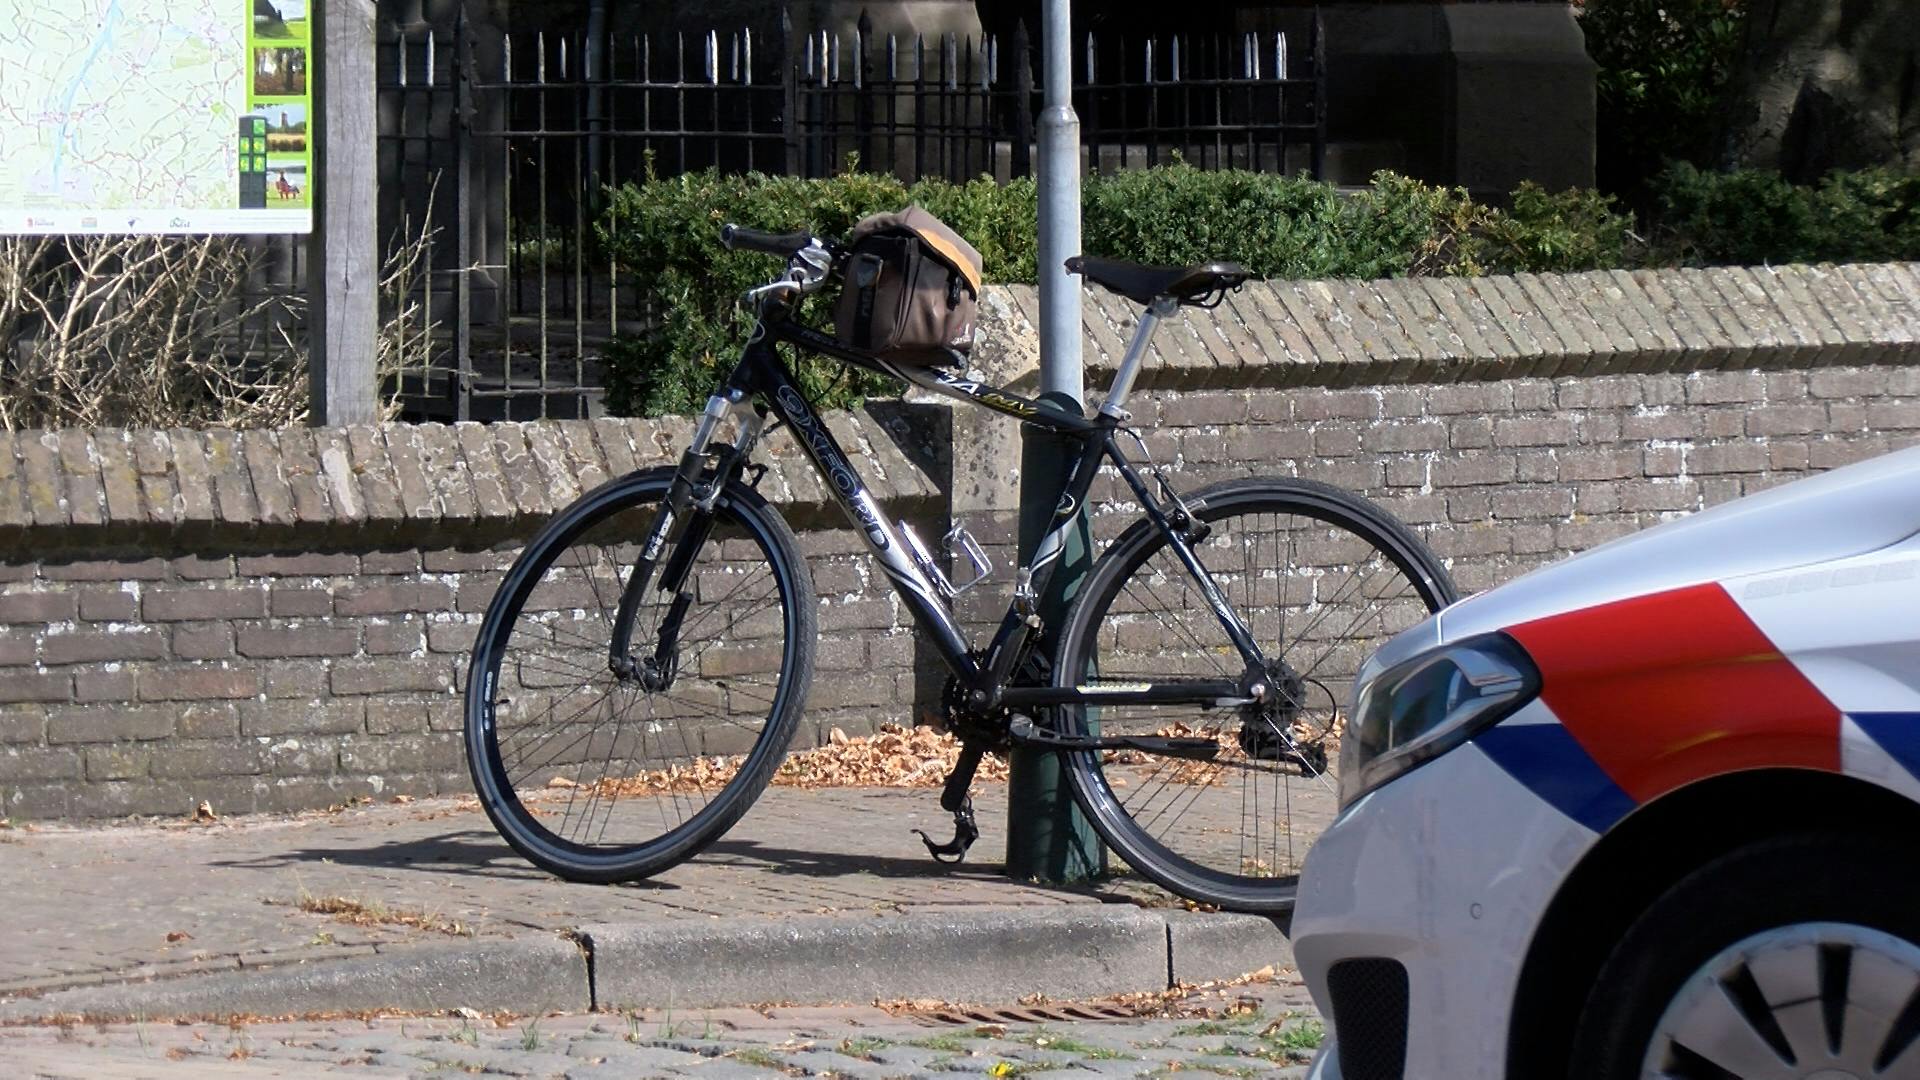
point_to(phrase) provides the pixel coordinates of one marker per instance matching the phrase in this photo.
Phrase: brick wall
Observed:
(279, 620)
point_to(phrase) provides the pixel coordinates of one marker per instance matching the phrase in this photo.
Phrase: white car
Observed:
(1649, 812)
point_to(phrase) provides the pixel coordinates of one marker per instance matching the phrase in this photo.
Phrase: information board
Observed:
(155, 116)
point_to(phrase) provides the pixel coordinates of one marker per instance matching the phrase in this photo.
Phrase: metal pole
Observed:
(1047, 837)
(1059, 175)
(343, 267)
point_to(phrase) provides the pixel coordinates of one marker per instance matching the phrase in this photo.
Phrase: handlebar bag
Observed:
(912, 289)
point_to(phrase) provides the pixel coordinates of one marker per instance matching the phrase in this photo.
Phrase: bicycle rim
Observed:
(590, 775)
(1321, 579)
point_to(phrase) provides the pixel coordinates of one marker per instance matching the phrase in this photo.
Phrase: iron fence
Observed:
(498, 150)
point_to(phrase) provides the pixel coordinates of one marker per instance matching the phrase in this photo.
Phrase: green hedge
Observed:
(1751, 217)
(666, 233)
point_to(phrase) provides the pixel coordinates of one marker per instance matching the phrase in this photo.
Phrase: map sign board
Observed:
(155, 116)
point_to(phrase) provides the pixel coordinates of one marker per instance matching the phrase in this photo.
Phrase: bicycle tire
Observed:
(620, 512)
(1136, 650)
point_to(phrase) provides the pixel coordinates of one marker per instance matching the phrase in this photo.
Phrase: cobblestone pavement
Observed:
(1260, 1029)
(99, 904)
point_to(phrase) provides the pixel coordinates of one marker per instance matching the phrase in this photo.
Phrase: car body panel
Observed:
(1370, 888)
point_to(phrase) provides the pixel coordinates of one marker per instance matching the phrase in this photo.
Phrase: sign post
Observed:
(1048, 839)
(343, 265)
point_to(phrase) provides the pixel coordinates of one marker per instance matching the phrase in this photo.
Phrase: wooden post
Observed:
(343, 267)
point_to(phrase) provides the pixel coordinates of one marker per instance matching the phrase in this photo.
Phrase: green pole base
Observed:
(1048, 839)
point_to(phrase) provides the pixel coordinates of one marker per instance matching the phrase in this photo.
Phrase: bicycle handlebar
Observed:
(737, 238)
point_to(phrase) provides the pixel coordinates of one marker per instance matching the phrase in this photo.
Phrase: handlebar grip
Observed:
(736, 238)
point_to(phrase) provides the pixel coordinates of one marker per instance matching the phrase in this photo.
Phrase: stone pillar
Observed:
(1519, 98)
(1482, 95)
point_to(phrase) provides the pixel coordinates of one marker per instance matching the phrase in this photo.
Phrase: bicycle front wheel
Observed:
(1320, 577)
(599, 775)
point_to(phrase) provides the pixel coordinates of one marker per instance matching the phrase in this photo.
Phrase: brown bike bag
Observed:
(912, 289)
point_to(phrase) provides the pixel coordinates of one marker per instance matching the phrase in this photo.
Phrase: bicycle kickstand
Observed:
(954, 799)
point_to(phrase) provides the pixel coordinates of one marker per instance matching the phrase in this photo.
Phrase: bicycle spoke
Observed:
(1317, 593)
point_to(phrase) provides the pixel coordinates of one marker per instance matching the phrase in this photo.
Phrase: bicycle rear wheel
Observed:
(595, 775)
(1321, 578)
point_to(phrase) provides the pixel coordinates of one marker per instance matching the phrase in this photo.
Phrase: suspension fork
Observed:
(682, 526)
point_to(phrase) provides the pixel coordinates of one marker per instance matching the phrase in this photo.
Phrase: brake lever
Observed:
(784, 285)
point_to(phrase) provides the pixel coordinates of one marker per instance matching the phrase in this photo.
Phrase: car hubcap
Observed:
(1813, 1001)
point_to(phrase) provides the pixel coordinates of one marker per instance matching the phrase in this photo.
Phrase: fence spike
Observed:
(746, 57)
(713, 57)
(645, 48)
(1249, 56)
(540, 57)
(919, 61)
(399, 50)
(1091, 53)
(993, 59)
(1149, 60)
(1280, 55)
(862, 37)
(950, 61)
(433, 51)
(506, 57)
(893, 59)
(1174, 50)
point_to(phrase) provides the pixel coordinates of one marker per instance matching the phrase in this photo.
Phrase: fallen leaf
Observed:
(467, 1014)
(204, 812)
(178, 935)
(562, 782)
(990, 1031)
(891, 757)
(402, 799)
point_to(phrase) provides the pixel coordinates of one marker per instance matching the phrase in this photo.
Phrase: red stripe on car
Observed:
(1671, 688)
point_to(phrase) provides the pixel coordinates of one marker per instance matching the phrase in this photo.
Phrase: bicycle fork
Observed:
(679, 530)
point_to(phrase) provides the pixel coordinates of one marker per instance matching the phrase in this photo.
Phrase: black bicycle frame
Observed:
(762, 376)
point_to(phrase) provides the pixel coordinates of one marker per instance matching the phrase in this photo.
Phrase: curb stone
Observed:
(965, 956)
(523, 975)
(979, 955)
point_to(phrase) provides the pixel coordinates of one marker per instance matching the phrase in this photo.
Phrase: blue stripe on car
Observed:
(1552, 764)
(1898, 733)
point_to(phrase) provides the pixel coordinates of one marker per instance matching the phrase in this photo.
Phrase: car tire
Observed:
(1786, 904)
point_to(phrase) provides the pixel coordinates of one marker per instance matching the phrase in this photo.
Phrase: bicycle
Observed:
(645, 661)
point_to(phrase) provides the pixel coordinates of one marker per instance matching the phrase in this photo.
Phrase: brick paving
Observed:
(88, 905)
(1257, 1030)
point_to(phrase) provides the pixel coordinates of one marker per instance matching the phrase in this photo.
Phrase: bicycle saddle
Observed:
(1141, 284)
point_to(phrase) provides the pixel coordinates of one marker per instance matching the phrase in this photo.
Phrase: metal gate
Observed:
(498, 150)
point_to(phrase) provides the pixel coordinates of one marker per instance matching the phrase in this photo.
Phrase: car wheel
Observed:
(1797, 958)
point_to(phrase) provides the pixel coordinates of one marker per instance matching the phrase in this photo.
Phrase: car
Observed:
(1651, 811)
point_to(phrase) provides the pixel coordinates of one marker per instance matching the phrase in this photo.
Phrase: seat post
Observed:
(1115, 405)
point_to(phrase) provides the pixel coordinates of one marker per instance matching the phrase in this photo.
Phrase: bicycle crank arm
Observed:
(1025, 733)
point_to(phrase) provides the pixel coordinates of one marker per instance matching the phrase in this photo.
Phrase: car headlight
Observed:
(1425, 706)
